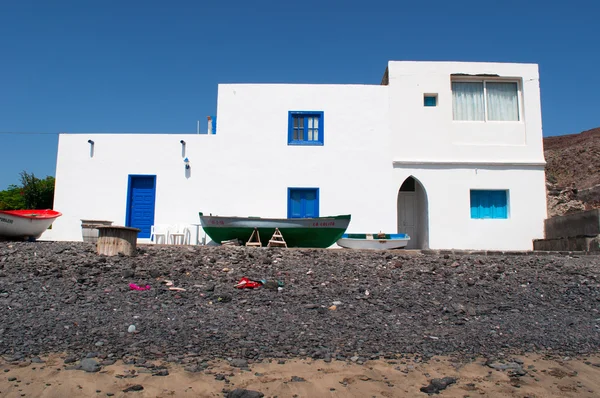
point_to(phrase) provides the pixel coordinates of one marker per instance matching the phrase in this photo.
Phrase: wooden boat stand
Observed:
(254, 239)
(277, 239)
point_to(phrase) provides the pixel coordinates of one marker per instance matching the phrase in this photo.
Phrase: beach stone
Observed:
(155, 273)
(89, 365)
(437, 385)
(242, 393)
(239, 363)
(135, 387)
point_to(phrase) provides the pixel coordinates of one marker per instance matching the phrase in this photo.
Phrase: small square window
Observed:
(430, 100)
(305, 128)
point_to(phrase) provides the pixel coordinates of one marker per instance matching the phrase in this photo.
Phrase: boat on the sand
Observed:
(25, 224)
(317, 232)
(378, 241)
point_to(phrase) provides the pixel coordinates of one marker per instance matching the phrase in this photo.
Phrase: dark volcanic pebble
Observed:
(135, 387)
(437, 385)
(241, 393)
(63, 297)
(239, 363)
(89, 365)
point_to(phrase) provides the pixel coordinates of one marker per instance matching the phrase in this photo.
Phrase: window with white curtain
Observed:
(485, 101)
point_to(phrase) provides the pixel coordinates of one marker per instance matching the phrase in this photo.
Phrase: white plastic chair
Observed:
(179, 235)
(159, 234)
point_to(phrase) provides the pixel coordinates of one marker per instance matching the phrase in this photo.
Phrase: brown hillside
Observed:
(573, 172)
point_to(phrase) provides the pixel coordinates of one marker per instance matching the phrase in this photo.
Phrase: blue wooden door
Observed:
(140, 203)
(303, 202)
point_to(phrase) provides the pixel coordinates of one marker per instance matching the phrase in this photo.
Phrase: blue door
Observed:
(303, 202)
(141, 196)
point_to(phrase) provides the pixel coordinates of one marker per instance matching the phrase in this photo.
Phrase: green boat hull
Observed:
(320, 232)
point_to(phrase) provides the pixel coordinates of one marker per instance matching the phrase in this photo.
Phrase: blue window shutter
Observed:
(489, 204)
(485, 208)
(499, 204)
(474, 204)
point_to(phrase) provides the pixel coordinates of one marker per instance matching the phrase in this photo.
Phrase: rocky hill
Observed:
(573, 172)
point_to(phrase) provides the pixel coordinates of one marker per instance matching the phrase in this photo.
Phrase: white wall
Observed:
(374, 136)
(422, 133)
(448, 195)
(245, 169)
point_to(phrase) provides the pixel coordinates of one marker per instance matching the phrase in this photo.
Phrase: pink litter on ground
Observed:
(133, 286)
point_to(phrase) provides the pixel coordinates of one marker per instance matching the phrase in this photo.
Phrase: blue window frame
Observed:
(430, 100)
(303, 202)
(305, 128)
(489, 204)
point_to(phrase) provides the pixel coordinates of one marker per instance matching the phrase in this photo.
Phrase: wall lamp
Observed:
(91, 142)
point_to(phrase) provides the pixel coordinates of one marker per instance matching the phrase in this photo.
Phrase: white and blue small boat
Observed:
(376, 241)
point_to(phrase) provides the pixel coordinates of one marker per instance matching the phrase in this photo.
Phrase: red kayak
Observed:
(26, 224)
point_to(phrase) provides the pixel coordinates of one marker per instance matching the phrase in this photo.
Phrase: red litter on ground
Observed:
(133, 286)
(246, 283)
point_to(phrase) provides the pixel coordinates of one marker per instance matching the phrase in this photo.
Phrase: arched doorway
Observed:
(413, 213)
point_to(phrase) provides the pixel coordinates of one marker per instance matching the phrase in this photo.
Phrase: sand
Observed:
(566, 377)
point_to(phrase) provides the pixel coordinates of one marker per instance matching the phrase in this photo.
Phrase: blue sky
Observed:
(153, 66)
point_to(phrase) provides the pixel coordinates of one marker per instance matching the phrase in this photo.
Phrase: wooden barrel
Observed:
(89, 229)
(114, 239)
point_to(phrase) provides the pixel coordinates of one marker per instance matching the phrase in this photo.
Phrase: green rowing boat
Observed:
(318, 232)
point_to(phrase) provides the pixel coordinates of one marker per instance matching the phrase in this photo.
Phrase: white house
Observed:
(448, 152)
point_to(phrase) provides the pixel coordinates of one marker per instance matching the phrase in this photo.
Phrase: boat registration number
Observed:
(216, 222)
(6, 220)
(324, 224)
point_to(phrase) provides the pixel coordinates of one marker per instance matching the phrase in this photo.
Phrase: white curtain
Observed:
(467, 101)
(313, 128)
(502, 101)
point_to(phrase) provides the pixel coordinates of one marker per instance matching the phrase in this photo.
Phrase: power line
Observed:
(95, 133)
(25, 133)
